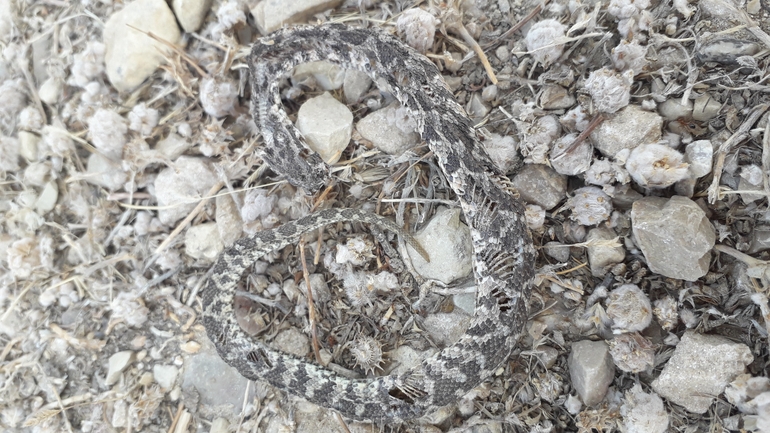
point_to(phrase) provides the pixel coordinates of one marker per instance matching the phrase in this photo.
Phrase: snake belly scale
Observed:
(503, 252)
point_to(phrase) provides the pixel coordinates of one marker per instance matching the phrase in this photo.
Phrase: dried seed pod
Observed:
(367, 353)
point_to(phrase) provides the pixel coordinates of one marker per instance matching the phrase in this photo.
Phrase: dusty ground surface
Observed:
(89, 270)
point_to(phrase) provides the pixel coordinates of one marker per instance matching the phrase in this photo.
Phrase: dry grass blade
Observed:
(40, 417)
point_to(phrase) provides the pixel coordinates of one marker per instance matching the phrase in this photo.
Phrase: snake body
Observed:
(503, 251)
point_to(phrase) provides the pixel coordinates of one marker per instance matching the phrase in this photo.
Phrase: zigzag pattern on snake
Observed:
(503, 251)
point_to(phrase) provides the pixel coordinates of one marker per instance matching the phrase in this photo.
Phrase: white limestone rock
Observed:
(673, 109)
(699, 154)
(675, 236)
(115, 366)
(448, 243)
(700, 369)
(541, 185)
(202, 242)
(178, 188)
(132, 56)
(270, 15)
(591, 370)
(327, 125)
(190, 13)
(627, 129)
(705, 108)
(355, 85)
(389, 129)
(165, 375)
(600, 255)
(327, 75)
(104, 172)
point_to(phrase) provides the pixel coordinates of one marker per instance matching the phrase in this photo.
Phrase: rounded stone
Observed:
(675, 236)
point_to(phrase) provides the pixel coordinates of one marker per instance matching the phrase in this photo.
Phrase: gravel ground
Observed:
(637, 132)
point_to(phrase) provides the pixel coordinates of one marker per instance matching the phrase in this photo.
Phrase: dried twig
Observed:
(342, 422)
(179, 409)
(310, 305)
(451, 19)
(740, 134)
(516, 27)
(766, 159)
(595, 122)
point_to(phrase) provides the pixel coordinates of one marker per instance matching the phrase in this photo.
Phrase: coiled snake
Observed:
(503, 251)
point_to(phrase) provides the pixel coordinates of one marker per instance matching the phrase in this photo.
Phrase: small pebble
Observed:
(601, 257)
(270, 15)
(207, 376)
(557, 250)
(190, 13)
(165, 375)
(699, 154)
(326, 75)
(540, 185)
(627, 129)
(726, 50)
(327, 125)
(675, 236)
(105, 172)
(555, 97)
(179, 188)
(355, 85)
(131, 56)
(389, 129)
(591, 370)
(673, 109)
(705, 108)
(448, 243)
(503, 53)
(202, 242)
(117, 363)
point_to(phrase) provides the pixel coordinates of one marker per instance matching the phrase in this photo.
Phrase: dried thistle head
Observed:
(666, 312)
(367, 353)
